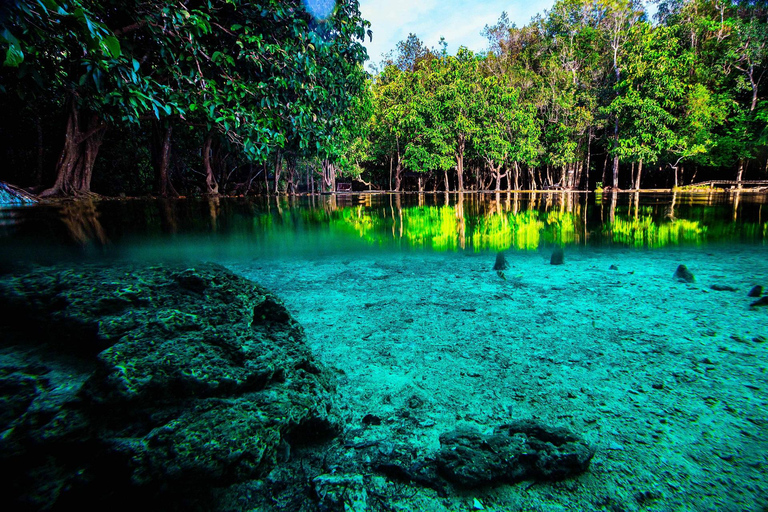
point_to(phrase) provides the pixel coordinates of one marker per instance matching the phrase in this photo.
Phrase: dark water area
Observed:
(326, 225)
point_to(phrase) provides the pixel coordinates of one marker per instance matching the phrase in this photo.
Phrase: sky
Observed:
(460, 22)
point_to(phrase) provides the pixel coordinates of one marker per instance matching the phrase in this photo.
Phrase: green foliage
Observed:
(263, 76)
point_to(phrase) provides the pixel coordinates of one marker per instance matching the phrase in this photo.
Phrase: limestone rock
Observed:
(683, 275)
(558, 256)
(756, 291)
(341, 492)
(516, 451)
(722, 288)
(501, 262)
(128, 382)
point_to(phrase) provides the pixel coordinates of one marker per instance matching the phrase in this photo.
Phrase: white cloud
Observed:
(458, 21)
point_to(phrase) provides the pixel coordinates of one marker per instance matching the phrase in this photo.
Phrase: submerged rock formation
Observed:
(558, 256)
(683, 275)
(501, 262)
(517, 451)
(149, 384)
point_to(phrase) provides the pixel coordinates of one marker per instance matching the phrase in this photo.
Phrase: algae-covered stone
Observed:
(683, 275)
(171, 378)
(512, 452)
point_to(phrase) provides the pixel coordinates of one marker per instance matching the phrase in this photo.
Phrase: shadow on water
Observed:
(315, 226)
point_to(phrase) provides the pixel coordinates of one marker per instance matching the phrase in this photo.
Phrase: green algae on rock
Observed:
(149, 379)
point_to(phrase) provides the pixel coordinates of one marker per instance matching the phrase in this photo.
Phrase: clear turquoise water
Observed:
(397, 295)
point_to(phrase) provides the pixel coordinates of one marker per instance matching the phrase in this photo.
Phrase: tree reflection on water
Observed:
(518, 221)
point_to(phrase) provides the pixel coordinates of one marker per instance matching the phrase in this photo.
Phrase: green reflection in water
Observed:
(332, 225)
(644, 232)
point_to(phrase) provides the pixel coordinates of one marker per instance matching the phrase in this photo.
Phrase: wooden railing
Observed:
(734, 183)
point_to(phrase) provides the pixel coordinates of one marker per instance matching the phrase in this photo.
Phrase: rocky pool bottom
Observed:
(424, 382)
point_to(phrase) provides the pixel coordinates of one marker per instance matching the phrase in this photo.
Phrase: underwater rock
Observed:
(341, 492)
(149, 383)
(756, 291)
(558, 256)
(683, 275)
(762, 301)
(517, 451)
(501, 262)
(371, 419)
(723, 288)
(613, 267)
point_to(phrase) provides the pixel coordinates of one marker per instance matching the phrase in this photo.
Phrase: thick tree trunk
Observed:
(497, 174)
(211, 185)
(75, 166)
(516, 167)
(398, 173)
(329, 176)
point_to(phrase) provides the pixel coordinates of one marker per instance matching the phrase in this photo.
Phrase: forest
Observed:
(227, 97)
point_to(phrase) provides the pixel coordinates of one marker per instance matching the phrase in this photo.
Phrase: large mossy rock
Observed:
(147, 384)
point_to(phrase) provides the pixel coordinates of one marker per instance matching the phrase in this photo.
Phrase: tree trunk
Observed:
(398, 173)
(589, 157)
(639, 174)
(162, 159)
(447, 184)
(75, 166)
(740, 173)
(211, 185)
(616, 157)
(517, 175)
(266, 177)
(291, 165)
(278, 170)
(460, 163)
(329, 176)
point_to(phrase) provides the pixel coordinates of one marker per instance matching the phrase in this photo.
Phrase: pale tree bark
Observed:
(329, 175)
(278, 170)
(211, 185)
(460, 161)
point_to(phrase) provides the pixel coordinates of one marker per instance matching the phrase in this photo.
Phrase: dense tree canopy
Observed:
(257, 81)
(220, 96)
(591, 92)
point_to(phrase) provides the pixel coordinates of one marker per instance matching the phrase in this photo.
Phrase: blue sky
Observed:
(460, 22)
